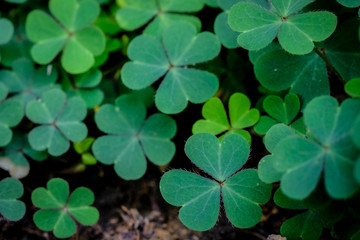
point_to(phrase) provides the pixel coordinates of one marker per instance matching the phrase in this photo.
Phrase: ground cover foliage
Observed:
(234, 106)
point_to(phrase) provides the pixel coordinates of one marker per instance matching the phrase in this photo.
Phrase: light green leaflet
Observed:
(11, 114)
(26, 83)
(199, 197)
(216, 120)
(352, 88)
(60, 122)
(85, 86)
(6, 30)
(160, 13)
(295, 32)
(15, 160)
(10, 207)
(131, 137)
(58, 210)
(71, 31)
(329, 149)
(171, 58)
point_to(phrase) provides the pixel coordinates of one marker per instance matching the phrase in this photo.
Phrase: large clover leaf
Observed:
(295, 32)
(11, 114)
(10, 207)
(329, 149)
(180, 47)
(59, 210)
(71, 32)
(60, 121)
(6, 30)
(216, 120)
(199, 197)
(132, 137)
(15, 160)
(160, 14)
(26, 83)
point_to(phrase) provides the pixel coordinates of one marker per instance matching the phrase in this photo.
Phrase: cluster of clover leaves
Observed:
(58, 81)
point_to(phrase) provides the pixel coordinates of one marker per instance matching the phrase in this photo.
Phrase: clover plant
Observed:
(70, 31)
(199, 197)
(216, 120)
(58, 210)
(10, 207)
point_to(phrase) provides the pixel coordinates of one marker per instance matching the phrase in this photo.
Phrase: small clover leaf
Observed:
(11, 114)
(10, 207)
(26, 83)
(85, 86)
(329, 149)
(132, 137)
(6, 30)
(199, 197)
(71, 31)
(349, 3)
(283, 111)
(15, 157)
(216, 120)
(60, 121)
(180, 47)
(295, 32)
(58, 210)
(160, 14)
(352, 88)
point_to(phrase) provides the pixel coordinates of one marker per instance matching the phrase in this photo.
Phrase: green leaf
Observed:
(264, 124)
(10, 207)
(76, 36)
(199, 197)
(352, 88)
(152, 59)
(357, 170)
(11, 114)
(59, 210)
(7, 30)
(240, 114)
(277, 70)
(27, 83)
(283, 111)
(60, 121)
(266, 170)
(296, 33)
(132, 137)
(84, 145)
(349, 3)
(356, 132)
(159, 14)
(226, 35)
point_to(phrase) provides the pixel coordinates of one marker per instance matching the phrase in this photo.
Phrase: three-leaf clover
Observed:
(132, 137)
(199, 197)
(216, 120)
(11, 114)
(59, 210)
(70, 31)
(10, 207)
(279, 110)
(328, 148)
(26, 83)
(160, 14)
(59, 119)
(295, 32)
(171, 57)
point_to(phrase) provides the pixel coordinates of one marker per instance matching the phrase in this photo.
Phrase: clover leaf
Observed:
(199, 197)
(6, 30)
(10, 207)
(216, 120)
(329, 149)
(160, 14)
(278, 70)
(349, 3)
(295, 32)
(15, 156)
(85, 86)
(352, 88)
(131, 137)
(11, 114)
(180, 47)
(70, 31)
(59, 119)
(280, 111)
(59, 210)
(26, 83)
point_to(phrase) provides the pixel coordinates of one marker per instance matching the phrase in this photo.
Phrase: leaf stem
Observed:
(331, 67)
